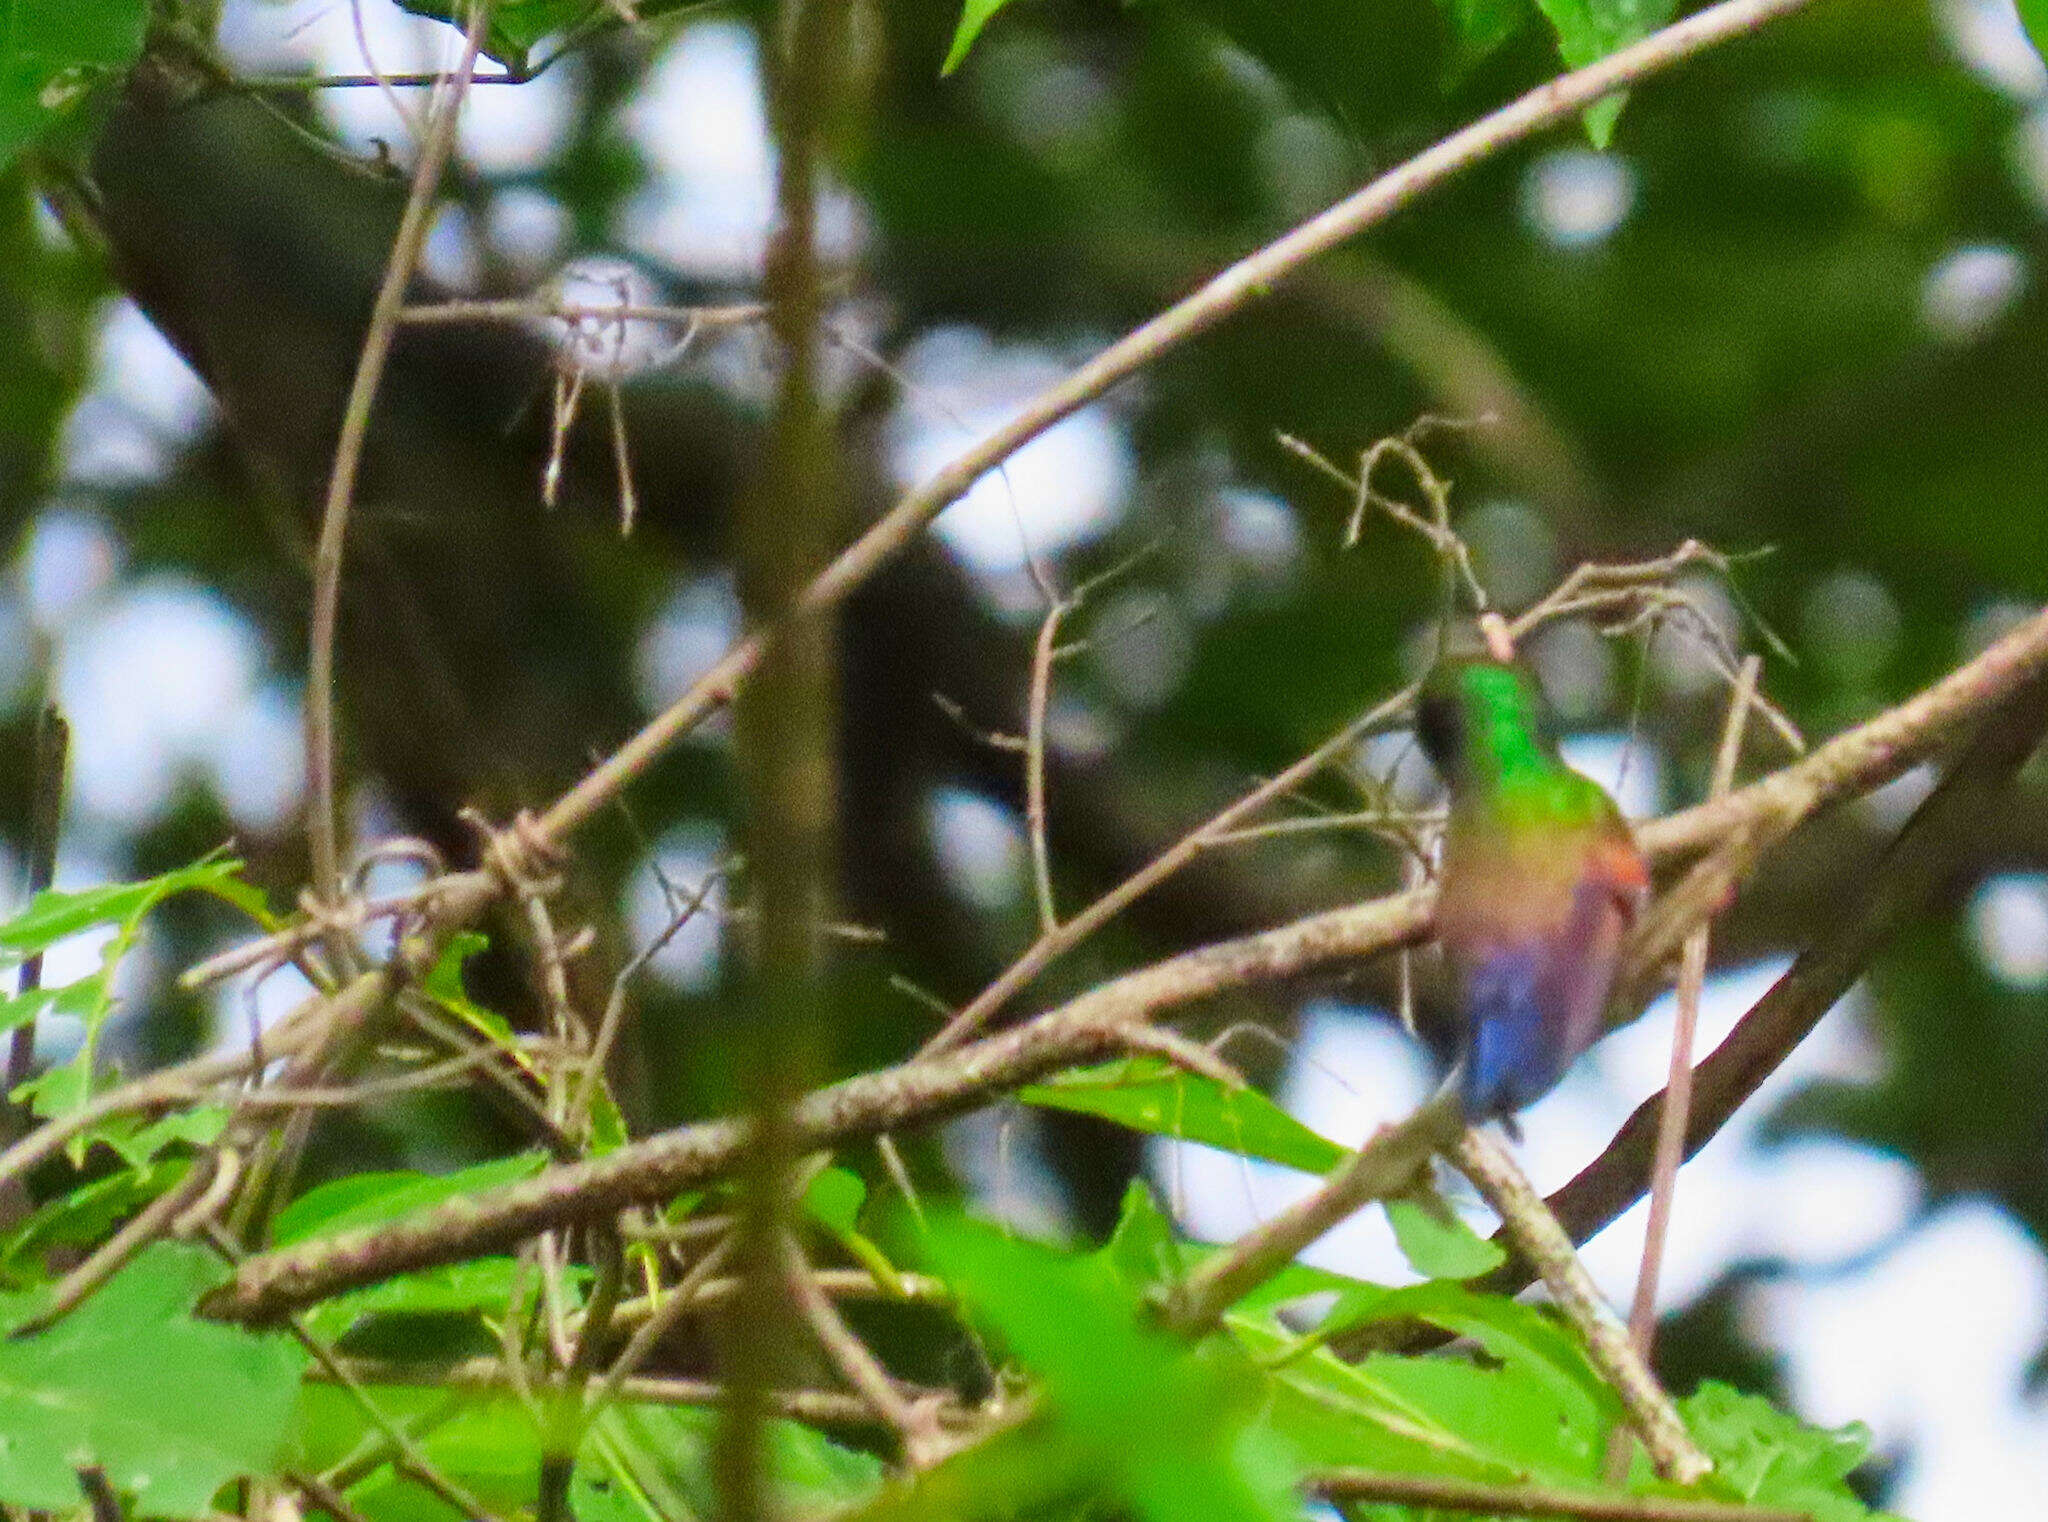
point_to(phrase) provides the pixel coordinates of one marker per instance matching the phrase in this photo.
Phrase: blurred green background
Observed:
(1795, 308)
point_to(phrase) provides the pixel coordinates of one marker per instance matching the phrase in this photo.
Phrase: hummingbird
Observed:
(1540, 879)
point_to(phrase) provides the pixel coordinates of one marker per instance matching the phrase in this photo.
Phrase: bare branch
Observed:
(1433, 1494)
(1692, 979)
(1525, 1217)
(1087, 1028)
(1231, 291)
(348, 452)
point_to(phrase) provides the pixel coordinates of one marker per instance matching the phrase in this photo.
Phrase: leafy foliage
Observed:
(52, 917)
(52, 53)
(1766, 1457)
(171, 1407)
(1754, 344)
(1591, 29)
(1148, 1094)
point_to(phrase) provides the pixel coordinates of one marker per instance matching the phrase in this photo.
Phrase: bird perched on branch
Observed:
(1540, 881)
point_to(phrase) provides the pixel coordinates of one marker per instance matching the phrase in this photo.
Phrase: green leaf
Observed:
(1588, 30)
(480, 1286)
(19, 1009)
(518, 26)
(835, 1197)
(638, 1463)
(369, 1199)
(54, 915)
(1437, 1244)
(663, 1454)
(975, 15)
(1531, 1406)
(607, 1122)
(1770, 1459)
(2034, 13)
(1145, 1254)
(52, 52)
(444, 986)
(1036, 1469)
(834, 1201)
(1143, 1251)
(82, 1217)
(138, 1142)
(1196, 1456)
(1481, 27)
(1151, 1095)
(170, 1406)
(1333, 1413)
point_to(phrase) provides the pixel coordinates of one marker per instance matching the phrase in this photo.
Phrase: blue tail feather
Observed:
(1516, 1051)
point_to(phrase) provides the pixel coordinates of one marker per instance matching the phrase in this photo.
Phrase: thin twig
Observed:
(46, 820)
(1231, 291)
(916, 1425)
(1535, 1230)
(158, 1091)
(837, 1283)
(272, 950)
(1429, 1493)
(531, 308)
(413, 226)
(281, 84)
(680, 914)
(323, 1495)
(658, 1324)
(567, 1417)
(147, 1225)
(1385, 1165)
(398, 107)
(1692, 979)
(828, 1408)
(1035, 823)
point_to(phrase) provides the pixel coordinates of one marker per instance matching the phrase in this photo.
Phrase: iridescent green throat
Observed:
(1504, 740)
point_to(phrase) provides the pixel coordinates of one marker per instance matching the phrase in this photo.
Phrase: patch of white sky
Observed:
(1065, 487)
(701, 122)
(1575, 199)
(980, 844)
(1969, 290)
(142, 405)
(505, 129)
(695, 625)
(163, 682)
(688, 856)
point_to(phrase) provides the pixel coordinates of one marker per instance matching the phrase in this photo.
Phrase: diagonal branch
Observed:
(1918, 861)
(2007, 677)
(1229, 292)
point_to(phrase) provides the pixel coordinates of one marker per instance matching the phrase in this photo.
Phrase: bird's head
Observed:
(1481, 717)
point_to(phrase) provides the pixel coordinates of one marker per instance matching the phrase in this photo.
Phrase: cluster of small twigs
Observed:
(604, 1278)
(587, 1348)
